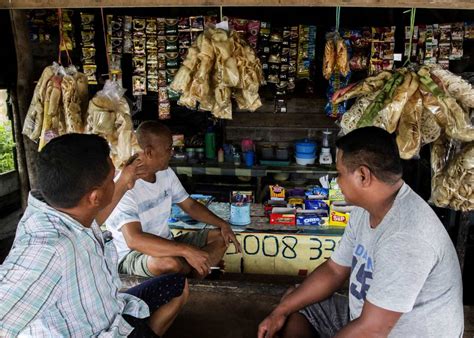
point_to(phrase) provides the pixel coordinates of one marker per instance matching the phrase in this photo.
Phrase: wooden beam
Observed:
(23, 4)
(465, 222)
(24, 88)
(20, 152)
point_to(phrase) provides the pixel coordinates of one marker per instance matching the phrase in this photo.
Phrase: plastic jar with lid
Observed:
(191, 154)
(200, 154)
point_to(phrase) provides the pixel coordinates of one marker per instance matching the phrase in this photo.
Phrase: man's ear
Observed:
(148, 151)
(94, 198)
(365, 176)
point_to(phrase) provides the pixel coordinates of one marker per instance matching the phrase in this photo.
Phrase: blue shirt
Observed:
(60, 280)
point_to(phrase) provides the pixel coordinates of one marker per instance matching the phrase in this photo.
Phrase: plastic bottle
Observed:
(220, 155)
(210, 144)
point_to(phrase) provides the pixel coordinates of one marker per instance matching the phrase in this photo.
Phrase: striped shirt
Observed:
(60, 280)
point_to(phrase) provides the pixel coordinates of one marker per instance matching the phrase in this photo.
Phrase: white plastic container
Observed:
(305, 161)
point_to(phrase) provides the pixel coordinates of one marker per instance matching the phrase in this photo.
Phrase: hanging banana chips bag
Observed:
(58, 104)
(453, 174)
(109, 116)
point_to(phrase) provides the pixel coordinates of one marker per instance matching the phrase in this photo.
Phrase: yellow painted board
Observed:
(279, 254)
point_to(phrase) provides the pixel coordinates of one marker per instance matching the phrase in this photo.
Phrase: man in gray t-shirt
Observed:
(404, 275)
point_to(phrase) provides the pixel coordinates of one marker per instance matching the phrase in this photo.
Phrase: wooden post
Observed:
(20, 151)
(465, 222)
(24, 89)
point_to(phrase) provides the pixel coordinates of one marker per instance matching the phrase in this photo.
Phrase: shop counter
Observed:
(270, 249)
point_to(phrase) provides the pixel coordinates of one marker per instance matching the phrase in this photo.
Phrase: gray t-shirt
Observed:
(406, 264)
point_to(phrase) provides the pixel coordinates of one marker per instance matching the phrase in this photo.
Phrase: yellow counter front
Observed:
(280, 253)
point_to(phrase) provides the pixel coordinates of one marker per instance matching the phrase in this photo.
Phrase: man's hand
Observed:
(198, 259)
(132, 171)
(229, 237)
(271, 325)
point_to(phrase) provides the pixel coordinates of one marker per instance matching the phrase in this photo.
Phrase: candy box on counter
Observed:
(283, 216)
(311, 218)
(277, 193)
(339, 213)
(296, 202)
(336, 195)
(269, 205)
(313, 204)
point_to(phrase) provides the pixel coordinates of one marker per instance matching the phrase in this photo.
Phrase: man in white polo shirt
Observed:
(139, 223)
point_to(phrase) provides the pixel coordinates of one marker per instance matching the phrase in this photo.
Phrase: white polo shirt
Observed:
(147, 203)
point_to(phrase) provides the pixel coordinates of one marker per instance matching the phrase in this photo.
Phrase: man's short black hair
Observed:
(151, 128)
(374, 148)
(70, 166)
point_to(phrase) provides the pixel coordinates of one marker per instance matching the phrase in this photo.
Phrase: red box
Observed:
(283, 216)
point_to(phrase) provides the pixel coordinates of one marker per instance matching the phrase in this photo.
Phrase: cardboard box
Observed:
(336, 195)
(338, 218)
(311, 218)
(339, 213)
(283, 216)
(277, 193)
(270, 204)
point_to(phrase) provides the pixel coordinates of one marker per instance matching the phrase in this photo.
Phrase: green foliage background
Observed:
(7, 162)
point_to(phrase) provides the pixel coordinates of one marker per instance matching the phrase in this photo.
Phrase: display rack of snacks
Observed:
(88, 50)
(382, 49)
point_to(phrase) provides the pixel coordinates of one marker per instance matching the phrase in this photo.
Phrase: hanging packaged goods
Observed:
(329, 60)
(58, 105)
(219, 65)
(67, 42)
(306, 50)
(453, 179)
(336, 56)
(437, 43)
(337, 71)
(431, 105)
(88, 49)
(456, 86)
(382, 50)
(389, 104)
(109, 116)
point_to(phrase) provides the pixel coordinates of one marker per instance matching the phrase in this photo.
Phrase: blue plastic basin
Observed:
(306, 155)
(305, 147)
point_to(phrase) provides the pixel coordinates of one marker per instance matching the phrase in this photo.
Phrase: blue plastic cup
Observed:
(249, 158)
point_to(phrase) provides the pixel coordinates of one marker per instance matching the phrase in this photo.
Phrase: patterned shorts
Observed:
(135, 263)
(155, 292)
(329, 316)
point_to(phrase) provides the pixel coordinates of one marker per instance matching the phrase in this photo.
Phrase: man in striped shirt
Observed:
(60, 278)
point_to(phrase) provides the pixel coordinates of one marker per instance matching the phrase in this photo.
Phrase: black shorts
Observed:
(155, 292)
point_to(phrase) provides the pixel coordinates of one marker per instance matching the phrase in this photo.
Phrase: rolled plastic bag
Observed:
(409, 127)
(453, 178)
(34, 117)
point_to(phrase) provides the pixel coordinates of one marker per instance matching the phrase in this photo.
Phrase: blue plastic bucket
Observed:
(239, 214)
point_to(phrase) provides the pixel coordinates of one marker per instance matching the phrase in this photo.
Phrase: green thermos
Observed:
(210, 144)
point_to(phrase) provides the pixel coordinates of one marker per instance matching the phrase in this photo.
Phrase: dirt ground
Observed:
(233, 309)
(225, 309)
